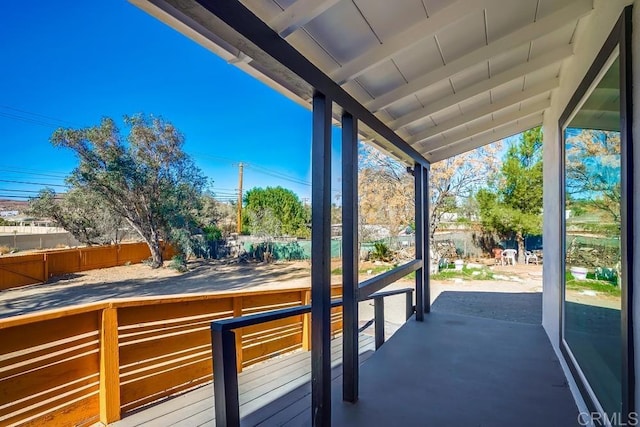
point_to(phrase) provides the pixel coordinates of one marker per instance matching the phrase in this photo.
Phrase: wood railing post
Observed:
(46, 268)
(109, 367)
(306, 321)
(237, 312)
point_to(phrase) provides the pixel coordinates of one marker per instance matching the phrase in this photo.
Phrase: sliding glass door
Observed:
(596, 142)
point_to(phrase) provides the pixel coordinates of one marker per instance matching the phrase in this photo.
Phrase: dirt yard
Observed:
(203, 276)
(140, 280)
(211, 276)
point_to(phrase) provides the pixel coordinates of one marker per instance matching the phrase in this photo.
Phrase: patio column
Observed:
(321, 262)
(426, 230)
(350, 258)
(418, 175)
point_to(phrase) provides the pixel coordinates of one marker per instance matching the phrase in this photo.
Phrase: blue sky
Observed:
(69, 63)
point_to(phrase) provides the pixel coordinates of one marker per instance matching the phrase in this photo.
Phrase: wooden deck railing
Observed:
(96, 362)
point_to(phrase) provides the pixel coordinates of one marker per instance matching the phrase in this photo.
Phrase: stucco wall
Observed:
(591, 33)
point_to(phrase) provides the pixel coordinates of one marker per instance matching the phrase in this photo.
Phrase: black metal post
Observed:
(320, 262)
(350, 258)
(418, 174)
(409, 307)
(426, 229)
(378, 319)
(225, 382)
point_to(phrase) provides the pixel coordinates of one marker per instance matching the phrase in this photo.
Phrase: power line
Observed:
(25, 172)
(276, 174)
(257, 168)
(14, 196)
(33, 118)
(23, 169)
(19, 191)
(33, 183)
(37, 114)
(27, 120)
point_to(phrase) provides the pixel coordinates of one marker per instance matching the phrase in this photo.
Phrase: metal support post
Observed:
(225, 383)
(350, 258)
(321, 262)
(378, 318)
(418, 174)
(426, 259)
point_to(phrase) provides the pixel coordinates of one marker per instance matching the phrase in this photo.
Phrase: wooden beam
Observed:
(518, 71)
(529, 32)
(506, 102)
(407, 38)
(306, 321)
(237, 312)
(298, 15)
(109, 367)
(494, 135)
(485, 126)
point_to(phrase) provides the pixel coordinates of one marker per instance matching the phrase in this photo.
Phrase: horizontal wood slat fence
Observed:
(96, 362)
(20, 270)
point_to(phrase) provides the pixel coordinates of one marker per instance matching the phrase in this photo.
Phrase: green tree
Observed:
(275, 211)
(514, 207)
(144, 178)
(80, 212)
(593, 174)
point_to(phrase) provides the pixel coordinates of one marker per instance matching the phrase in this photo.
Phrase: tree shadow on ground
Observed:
(202, 278)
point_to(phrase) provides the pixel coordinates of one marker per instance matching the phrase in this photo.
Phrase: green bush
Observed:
(380, 252)
(212, 233)
(178, 263)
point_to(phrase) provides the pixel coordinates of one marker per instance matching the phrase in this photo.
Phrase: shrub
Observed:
(178, 263)
(380, 252)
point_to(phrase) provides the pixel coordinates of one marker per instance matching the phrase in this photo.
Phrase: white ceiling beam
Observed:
(480, 128)
(298, 15)
(407, 38)
(486, 85)
(569, 13)
(509, 101)
(494, 135)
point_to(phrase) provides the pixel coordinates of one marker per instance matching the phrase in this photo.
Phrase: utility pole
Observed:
(239, 219)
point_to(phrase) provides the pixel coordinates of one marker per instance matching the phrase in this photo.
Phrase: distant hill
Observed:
(13, 205)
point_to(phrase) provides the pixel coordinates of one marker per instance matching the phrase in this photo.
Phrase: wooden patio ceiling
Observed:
(446, 76)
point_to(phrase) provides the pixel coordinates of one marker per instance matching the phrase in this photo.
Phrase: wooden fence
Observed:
(20, 270)
(96, 362)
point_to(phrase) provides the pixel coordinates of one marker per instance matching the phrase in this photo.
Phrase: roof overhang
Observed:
(427, 79)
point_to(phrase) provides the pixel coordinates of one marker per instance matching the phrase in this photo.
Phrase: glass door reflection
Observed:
(592, 306)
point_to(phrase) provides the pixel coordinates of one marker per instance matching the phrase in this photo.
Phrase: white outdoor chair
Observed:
(509, 256)
(530, 257)
(434, 266)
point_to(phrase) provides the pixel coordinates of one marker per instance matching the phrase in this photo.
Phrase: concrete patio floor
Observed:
(461, 370)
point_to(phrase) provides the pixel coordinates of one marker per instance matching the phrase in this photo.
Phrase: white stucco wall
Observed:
(590, 36)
